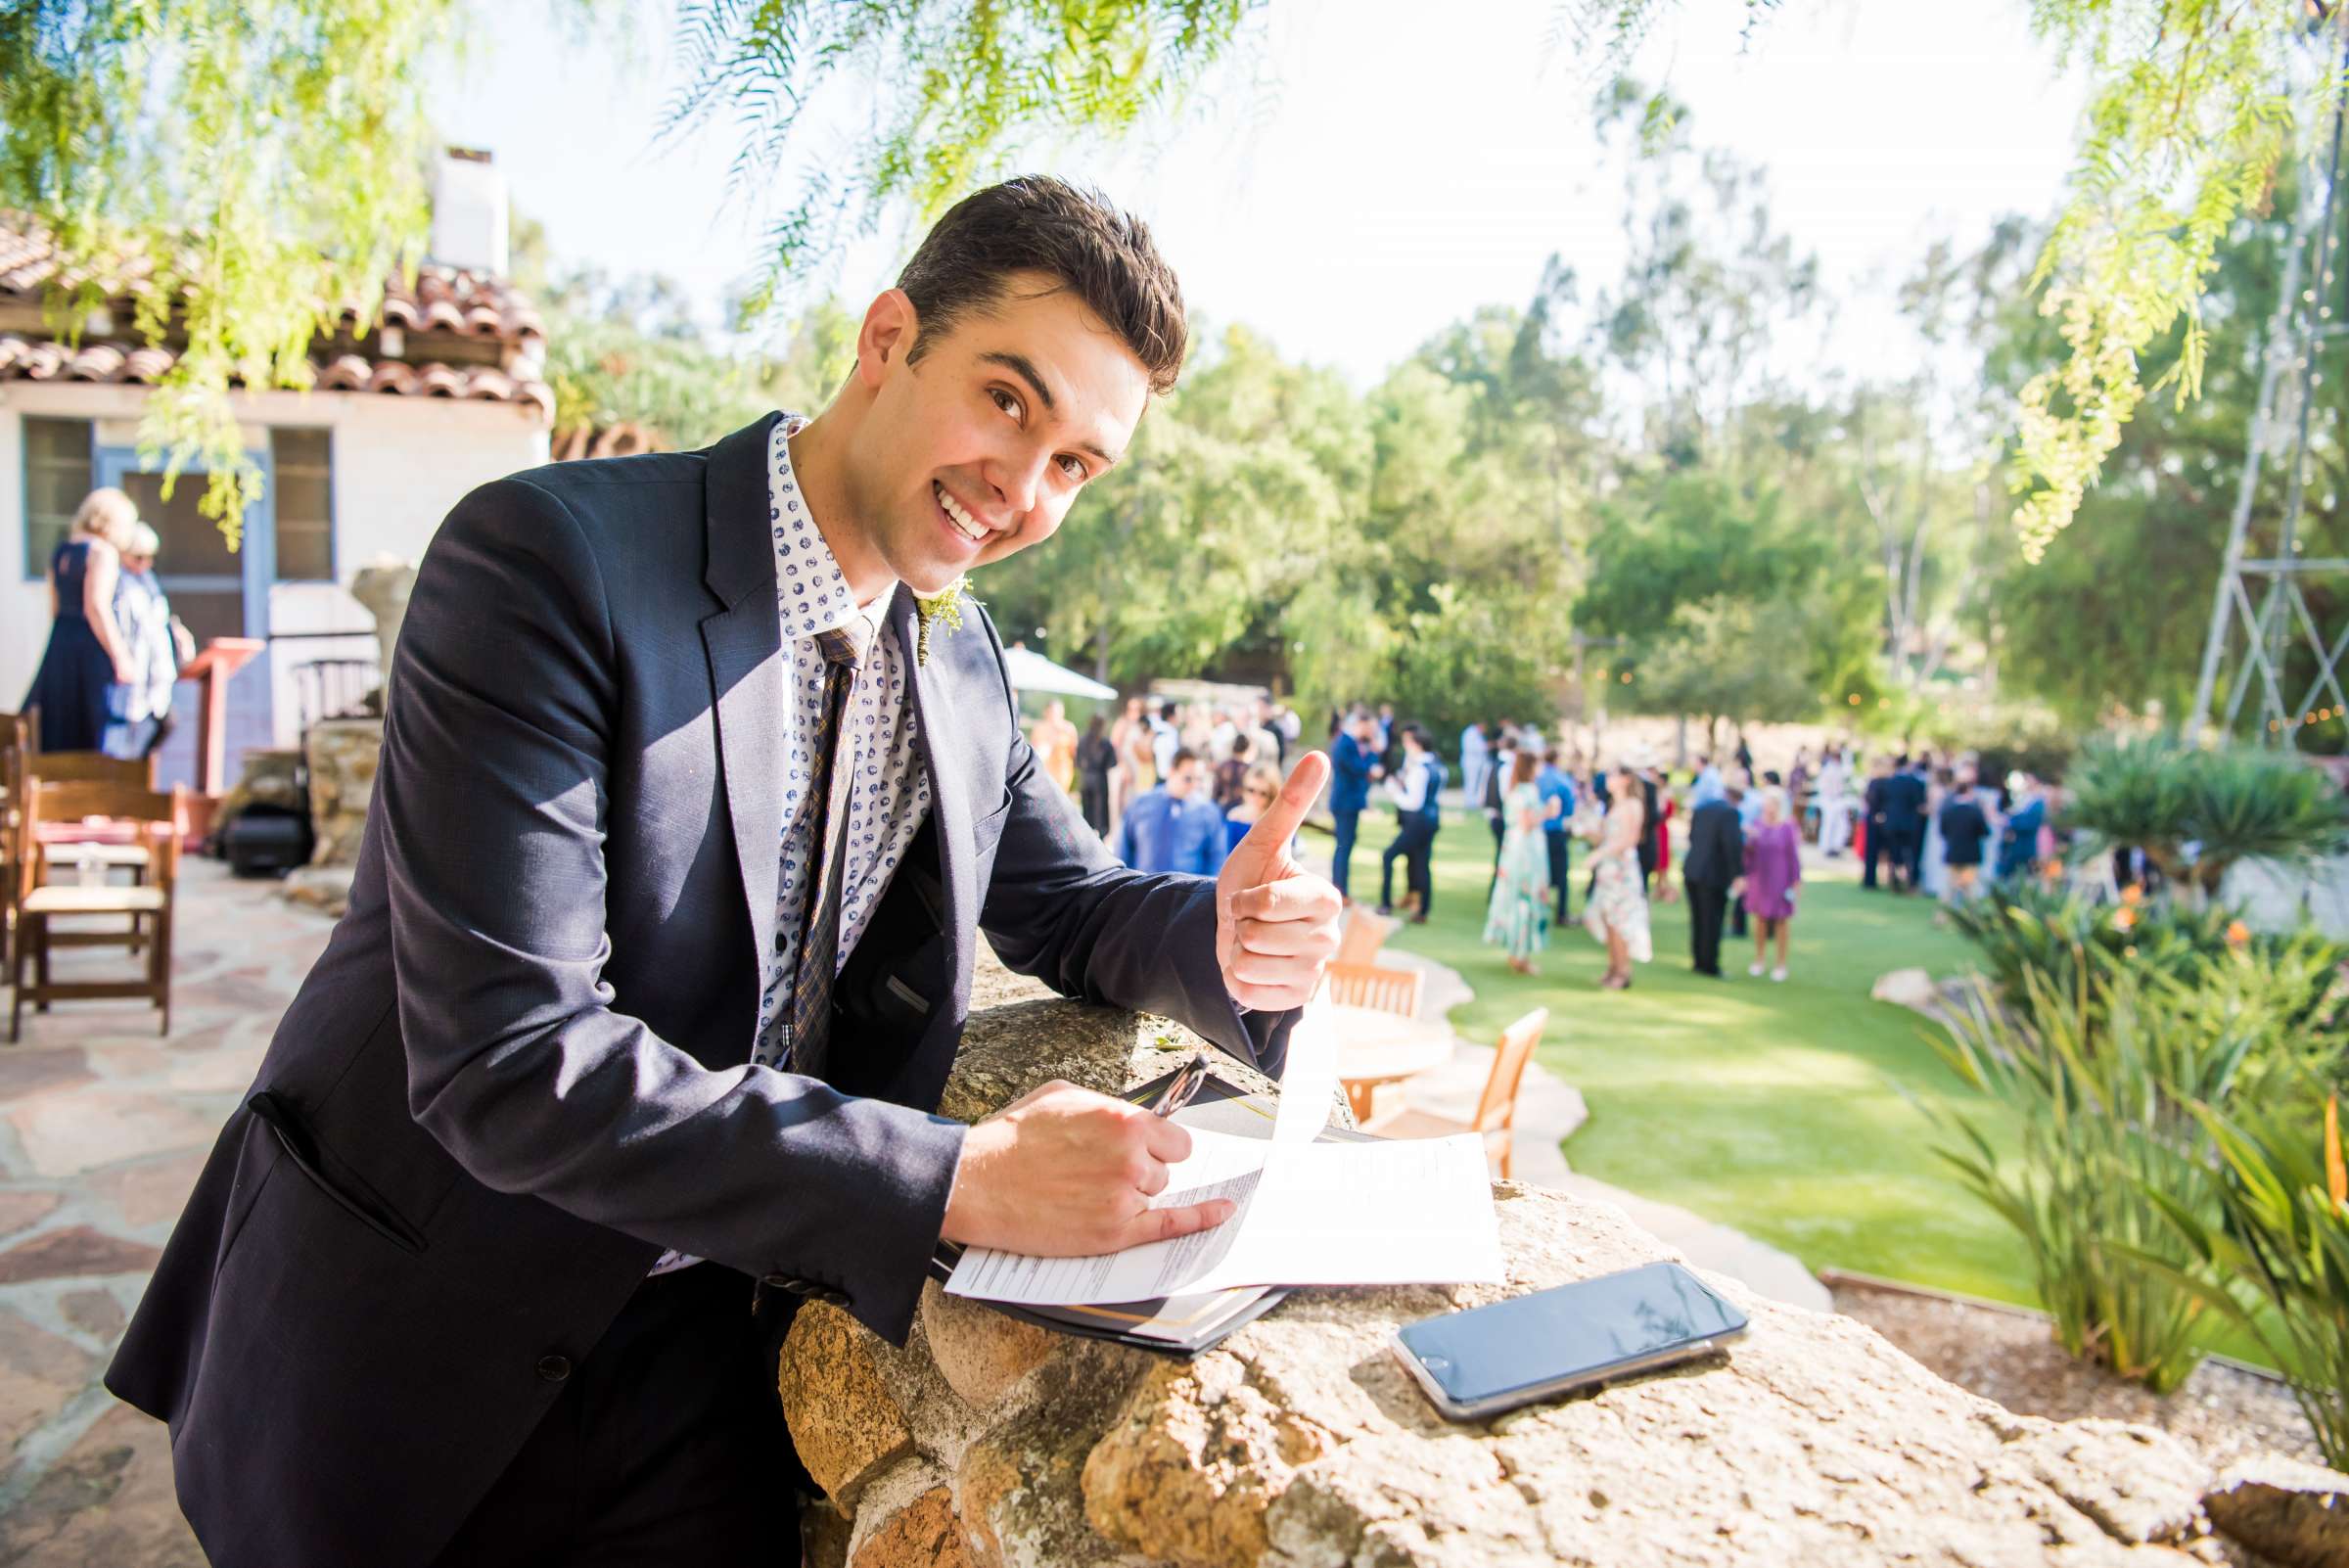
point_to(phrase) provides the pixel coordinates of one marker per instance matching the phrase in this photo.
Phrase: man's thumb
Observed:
(1279, 824)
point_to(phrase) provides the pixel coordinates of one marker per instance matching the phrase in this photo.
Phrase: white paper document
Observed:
(1309, 1079)
(1408, 1212)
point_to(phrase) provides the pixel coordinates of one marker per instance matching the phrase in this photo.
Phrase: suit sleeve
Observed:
(493, 802)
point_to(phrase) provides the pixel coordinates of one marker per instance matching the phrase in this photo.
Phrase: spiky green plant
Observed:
(2100, 1083)
(2197, 812)
(2281, 1237)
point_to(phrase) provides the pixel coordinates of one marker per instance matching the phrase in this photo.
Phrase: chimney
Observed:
(469, 213)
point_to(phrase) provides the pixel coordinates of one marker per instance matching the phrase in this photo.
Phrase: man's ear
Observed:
(890, 328)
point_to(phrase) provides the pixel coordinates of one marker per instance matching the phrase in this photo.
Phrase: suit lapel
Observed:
(743, 643)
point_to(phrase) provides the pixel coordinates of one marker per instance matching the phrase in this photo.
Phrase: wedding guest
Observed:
(1773, 867)
(1615, 913)
(1169, 828)
(1517, 916)
(1055, 741)
(1557, 797)
(1232, 769)
(1258, 790)
(87, 652)
(140, 712)
(1416, 788)
(1097, 767)
(1716, 860)
(1476, 759)
(1351, 758)
(1965, 829)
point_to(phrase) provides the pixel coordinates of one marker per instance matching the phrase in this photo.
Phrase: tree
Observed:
(2196, 108)
(250, 170)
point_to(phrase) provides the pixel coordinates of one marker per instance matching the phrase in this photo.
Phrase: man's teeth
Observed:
(962, 518)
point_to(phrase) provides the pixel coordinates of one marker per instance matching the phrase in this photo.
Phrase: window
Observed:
(305, 504)
(57, 476)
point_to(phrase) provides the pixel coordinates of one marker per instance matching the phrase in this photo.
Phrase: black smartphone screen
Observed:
(1567, 1331)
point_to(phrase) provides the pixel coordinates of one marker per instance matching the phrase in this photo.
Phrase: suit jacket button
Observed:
(554, 1368)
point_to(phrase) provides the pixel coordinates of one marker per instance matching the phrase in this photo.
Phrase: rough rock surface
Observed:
(2288, 1511)
(344, 754)
(264, 778)
(1300, 1442)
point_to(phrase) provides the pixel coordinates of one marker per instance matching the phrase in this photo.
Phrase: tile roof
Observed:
(44, 359)
(478, 307)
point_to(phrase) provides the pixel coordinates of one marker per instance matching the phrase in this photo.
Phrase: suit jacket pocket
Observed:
(345, 1187)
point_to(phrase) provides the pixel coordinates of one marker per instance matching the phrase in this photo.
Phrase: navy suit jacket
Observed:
(1349, 775)
(520, 1069)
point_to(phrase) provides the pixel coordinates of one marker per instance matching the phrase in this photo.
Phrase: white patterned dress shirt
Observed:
(886, 788)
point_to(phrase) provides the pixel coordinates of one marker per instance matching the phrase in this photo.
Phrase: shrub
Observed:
(2283, 1233)
(2197, 812)
(2099, 1081)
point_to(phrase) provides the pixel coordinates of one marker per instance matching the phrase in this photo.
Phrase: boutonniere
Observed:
(942, 608)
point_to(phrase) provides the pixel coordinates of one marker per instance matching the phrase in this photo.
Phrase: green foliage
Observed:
(2102, 1084)
(956, 90)
(245, 168)
(2233, 803)
(2194, 108)
(2281, 1237)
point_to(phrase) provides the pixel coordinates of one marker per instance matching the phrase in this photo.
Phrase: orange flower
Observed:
(2133, 895)
(2126, 919)
(2336, 1177)
(2237, 933)
(2053, 871)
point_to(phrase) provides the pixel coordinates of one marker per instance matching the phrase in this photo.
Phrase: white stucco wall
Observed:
(399, 464)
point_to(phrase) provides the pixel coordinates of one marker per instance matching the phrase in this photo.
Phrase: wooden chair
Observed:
(110, 845)
(159, 819)
(1361, 936)
(1386, 990)
(1496, 1109)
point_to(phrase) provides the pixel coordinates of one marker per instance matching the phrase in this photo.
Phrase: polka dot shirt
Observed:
(886, 788)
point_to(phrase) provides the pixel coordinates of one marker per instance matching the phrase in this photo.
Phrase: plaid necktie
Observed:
(811, 1014)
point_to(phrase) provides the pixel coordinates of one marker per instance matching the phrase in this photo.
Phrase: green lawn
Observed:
(1774, 1108)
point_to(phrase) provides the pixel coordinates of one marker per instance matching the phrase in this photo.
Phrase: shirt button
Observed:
(782, 943)
(554, 1368)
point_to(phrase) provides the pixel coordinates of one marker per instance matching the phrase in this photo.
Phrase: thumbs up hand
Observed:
(1277, 926)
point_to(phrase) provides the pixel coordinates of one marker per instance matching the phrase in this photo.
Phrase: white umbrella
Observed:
(1033, 672)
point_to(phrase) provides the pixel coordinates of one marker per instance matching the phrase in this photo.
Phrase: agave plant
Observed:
(2197, 812)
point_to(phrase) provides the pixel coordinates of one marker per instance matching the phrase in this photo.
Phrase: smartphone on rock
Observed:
(1535, 1347)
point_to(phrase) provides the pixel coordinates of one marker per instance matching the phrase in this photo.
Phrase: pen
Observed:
(1184, 1083)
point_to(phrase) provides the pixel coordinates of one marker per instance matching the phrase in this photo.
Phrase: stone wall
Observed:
(343, 757)
(1298, 1441)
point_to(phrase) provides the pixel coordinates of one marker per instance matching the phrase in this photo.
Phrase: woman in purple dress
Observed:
(1773, 867)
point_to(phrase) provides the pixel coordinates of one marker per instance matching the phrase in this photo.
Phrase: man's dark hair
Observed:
(1038, 224)
(1182, 755)
(1419, 737)
(1239, 744)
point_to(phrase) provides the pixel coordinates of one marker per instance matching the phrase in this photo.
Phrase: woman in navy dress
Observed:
(86, 651)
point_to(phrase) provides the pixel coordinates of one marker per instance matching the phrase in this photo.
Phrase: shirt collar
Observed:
(810, 590)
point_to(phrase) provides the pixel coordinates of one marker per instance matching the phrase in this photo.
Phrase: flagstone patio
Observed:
(104, 1124)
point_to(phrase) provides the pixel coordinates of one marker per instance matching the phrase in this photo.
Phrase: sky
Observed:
(1381, 176)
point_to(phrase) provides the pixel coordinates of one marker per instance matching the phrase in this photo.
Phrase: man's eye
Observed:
(1072, 467)
(1005, 402)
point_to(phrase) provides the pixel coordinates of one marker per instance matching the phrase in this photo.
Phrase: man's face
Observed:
(975, 451)
(1183, 780)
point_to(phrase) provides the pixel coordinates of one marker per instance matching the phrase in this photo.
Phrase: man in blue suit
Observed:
(1353, 759)
(1557, 797)
(1169, 828)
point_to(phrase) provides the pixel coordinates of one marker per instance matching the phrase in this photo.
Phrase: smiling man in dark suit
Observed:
(660, 948)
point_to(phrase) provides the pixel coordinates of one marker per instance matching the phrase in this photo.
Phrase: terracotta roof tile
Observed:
(442, 299)
(38, 359)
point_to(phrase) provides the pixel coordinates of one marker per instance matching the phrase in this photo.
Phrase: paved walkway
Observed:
(102, 1127)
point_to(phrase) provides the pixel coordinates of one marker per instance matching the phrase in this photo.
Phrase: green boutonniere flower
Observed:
(941, 608)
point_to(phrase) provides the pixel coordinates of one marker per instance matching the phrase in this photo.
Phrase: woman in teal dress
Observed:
(1518, 917)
